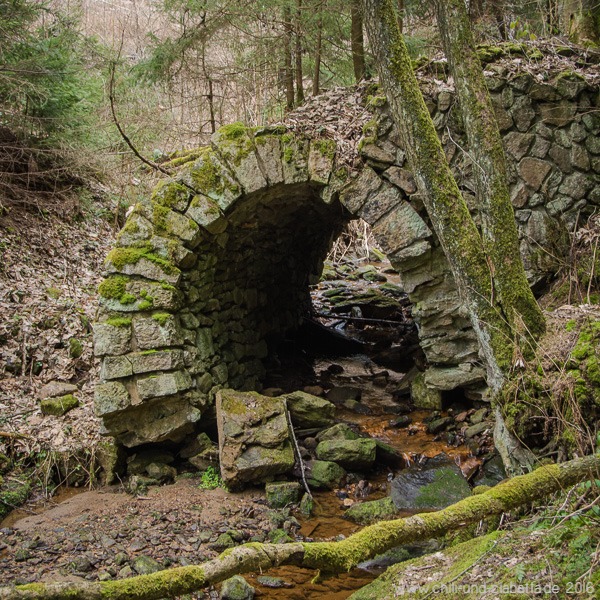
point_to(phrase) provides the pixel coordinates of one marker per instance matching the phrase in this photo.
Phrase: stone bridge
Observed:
(218, 263)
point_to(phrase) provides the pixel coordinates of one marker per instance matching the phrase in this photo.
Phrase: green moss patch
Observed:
(59, 406)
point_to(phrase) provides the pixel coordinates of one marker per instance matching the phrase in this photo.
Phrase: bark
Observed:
(287, 59)
(513, 295)
(580, 21)
(447, 209)
(400, 9)
(331, 557)
(318, 49)
(498, 12)
(299, 81)
(357, 41)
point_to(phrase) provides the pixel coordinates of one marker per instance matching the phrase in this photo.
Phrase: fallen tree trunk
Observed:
(332, 557)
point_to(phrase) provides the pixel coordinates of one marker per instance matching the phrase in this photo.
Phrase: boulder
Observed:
(59, 406)
(325, 474)
(350, 454)
(433, 486)
(236, 588)
(423, 396)
(282, 493)
(57, 388)
(309, 411)
(254, 438)
(371, 511)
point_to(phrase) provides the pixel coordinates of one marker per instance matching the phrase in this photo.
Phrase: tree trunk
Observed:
(499, 231)
(498, 12)
(447, 209)
(318, 49)
(287, 59)
(357, 40)
(330, 557)
(299, 79)
(400, 9)
(580, 21)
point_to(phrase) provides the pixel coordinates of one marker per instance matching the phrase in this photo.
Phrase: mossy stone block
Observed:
(59, 406)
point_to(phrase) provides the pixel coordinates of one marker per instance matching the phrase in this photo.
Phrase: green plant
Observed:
(211, 479)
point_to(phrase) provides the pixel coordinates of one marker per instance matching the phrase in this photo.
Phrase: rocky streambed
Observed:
(368, 452)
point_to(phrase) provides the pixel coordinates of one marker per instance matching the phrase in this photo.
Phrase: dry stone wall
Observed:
(219, 261)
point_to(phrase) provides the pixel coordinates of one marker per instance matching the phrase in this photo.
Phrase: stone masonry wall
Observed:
(221, 257)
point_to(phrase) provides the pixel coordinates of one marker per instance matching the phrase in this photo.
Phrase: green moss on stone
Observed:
(119, 322)
(232, 131)
(59, 406)
(75, 348)
(161, 318)
(120, 257)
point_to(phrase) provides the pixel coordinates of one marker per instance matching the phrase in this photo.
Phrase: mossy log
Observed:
(331, 557)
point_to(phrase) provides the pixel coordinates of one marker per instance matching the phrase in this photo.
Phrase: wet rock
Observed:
(309, 411)
(350, 454)
(433, 486)
(388, 455)
(236, 588)
(282, 493)
(325, 474)
(492, 472)
(438, 425)
(401, 421)
(272, 582)
(371, 511)
(357, 407)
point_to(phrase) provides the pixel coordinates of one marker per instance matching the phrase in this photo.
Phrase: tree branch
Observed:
(333, 557)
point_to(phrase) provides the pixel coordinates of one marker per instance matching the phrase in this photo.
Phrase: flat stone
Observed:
(165, 384)
(478, 429)
(146, 268)
(533, 171)
(559, 114)
(454, 377)
(115, 367)
(156, 360)
(376, 154)
(57, 388)
(320, 160)
(59, 406)
(517, 144)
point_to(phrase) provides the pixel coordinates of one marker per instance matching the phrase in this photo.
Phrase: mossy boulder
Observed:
(307, 410)
(236, 588)
(144, 565)
(437, 484)
(282, 493)
(339, 431)
(325, 474)
(350, 454)
(59, 406)
(372, 510)
(423, 396)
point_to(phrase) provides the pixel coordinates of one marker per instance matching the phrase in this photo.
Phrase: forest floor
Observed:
(49, 271)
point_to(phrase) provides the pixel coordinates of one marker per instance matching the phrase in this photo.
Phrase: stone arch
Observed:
(222, 255)
(220, 260)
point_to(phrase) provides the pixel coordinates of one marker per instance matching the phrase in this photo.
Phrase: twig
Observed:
(296, 448)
